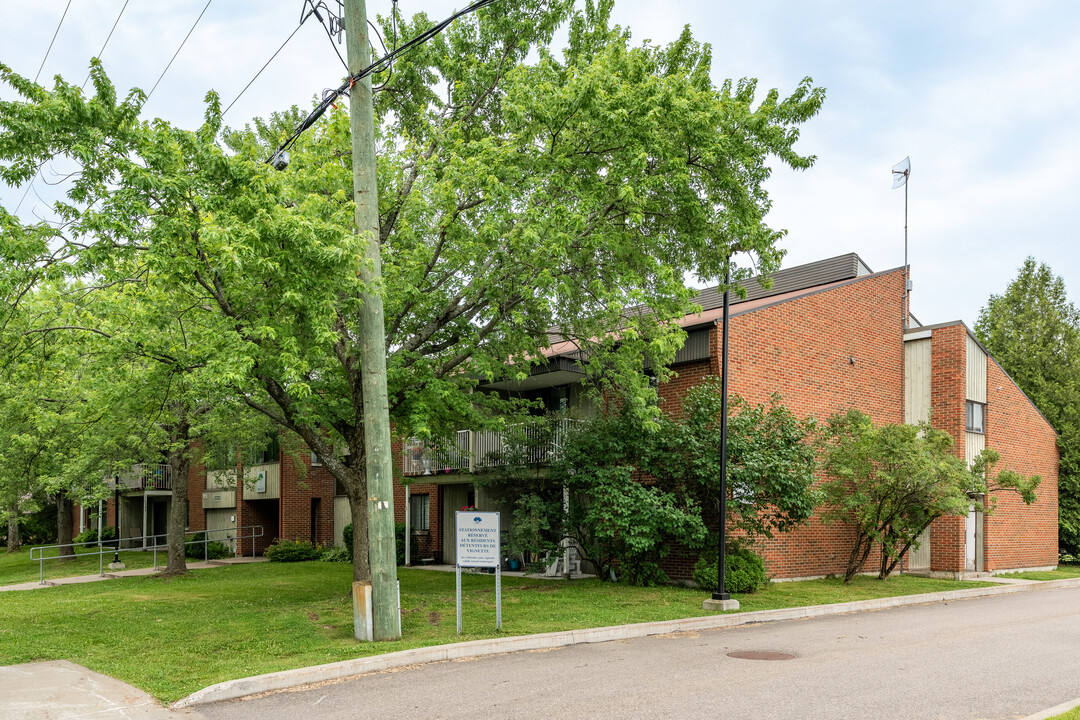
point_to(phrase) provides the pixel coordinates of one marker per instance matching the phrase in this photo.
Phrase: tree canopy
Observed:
(891, 481)
(515, 196)
(1033, 331)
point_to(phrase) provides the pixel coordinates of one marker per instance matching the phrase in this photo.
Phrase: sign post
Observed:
(478, 546)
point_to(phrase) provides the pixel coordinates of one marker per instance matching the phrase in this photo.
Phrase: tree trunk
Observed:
(14, 540)
(358, 507)
(65, 511)
(178, 515)
(859, 553)
(179, 463)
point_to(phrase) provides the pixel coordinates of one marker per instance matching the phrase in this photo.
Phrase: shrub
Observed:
(89, 535)
(744, 571)
(293, 551)
(643, 574)
(346, 535)
(335, 554)
(193, 548)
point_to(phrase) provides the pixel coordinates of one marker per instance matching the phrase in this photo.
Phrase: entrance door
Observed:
(454, 497)
(973, 537)
(159, 520)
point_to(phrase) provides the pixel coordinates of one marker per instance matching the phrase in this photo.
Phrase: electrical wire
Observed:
(40, 68)
(107, 39)
(182, 42)
(66, 8)
(329, 30)
(377, 66)
(295, 30)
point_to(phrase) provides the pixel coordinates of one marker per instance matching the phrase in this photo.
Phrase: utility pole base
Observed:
(712, 604)
(363, 615)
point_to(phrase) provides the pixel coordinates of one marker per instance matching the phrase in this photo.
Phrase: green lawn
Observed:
(1062, 572)
(17, 567)
(1073, 714)
(172, 636)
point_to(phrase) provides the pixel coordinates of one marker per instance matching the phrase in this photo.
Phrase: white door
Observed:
(969, 541)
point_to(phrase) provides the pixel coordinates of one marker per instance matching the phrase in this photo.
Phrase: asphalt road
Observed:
(996, 657)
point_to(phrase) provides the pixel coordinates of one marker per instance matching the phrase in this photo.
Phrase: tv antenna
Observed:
(900, 173)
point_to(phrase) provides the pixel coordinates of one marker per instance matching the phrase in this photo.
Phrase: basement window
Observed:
(976, 417)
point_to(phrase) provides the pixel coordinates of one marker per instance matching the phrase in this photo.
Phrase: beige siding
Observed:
(219, 499)
(342, 517)
(220, 479)
(917, 381)
(919, 559)
(974, 444)
(273, 481)
(976, 372)
(222, 519)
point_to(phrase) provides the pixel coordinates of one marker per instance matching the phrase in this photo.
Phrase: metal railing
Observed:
(472, 450)
(146, 476)
(101, 548)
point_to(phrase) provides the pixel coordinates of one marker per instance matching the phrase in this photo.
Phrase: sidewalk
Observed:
(80, 579)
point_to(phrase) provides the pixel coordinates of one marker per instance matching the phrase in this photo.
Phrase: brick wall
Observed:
(823, 353)
(306, 490)
(1019, 535)
(948, 412)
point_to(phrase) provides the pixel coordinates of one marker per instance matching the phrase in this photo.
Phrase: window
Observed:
(976, 417)
(419, 512)
(315, 459)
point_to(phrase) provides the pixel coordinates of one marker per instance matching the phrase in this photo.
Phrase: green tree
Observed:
(1033, 331)
(890, 482)
(526, 195)
(771, 460)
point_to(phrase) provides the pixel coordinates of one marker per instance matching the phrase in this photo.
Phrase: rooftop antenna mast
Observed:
(900, 173)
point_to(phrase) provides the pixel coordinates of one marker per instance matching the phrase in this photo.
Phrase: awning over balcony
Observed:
(556, 371)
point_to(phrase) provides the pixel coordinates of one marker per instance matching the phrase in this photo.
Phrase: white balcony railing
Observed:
(472, 450)
(147, 477)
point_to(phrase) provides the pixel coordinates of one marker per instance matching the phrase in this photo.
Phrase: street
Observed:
(995, 657)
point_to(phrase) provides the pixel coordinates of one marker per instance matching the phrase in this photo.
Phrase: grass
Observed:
(17, 567)
(1073, 714)
(1063, 571)
(173, 636)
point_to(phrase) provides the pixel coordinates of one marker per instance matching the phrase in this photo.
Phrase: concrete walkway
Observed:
(112, 575)
(62, 690)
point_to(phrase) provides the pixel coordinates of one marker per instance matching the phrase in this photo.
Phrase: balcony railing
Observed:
(472, 450)
(147, 477)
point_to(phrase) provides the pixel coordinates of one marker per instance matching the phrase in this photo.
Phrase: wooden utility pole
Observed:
(385, 619)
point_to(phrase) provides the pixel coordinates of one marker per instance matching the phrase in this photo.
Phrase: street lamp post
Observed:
(721, 600)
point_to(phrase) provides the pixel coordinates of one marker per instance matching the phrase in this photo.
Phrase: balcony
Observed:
(147, 477)
(473, 450)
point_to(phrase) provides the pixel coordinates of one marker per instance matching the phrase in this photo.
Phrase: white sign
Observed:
(477, 539)
(260, 482)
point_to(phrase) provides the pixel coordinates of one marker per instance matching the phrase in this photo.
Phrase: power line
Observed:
(182, 42)
(377, 66)
(107, 39)
(66, 8)
(295, 30)
(40, 68)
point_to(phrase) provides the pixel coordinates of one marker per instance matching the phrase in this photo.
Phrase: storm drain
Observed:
(760, 655)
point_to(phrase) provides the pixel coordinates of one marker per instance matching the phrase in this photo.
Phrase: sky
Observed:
(981, 96)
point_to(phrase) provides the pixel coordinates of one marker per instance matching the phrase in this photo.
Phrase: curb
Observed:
(1055, 711)
(288, 679)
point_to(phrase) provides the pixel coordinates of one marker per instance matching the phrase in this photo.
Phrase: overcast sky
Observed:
(982, 96)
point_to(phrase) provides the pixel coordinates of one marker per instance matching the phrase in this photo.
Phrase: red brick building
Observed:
(827, 336)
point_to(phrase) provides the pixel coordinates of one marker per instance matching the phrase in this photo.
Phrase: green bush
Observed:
(643, 574)
(293, 551)
(89, 535)
(335, 554)
(744, 571)
(346, 535)
(193, 548)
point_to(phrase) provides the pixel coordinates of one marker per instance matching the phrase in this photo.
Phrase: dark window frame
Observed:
(969, 417)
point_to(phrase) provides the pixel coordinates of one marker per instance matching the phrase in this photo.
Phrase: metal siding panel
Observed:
(342, 517)
(920, 559)
(976, 371)
(917, 381)
(273, 481)
(222, 519)
(696, 347)
(974, 444)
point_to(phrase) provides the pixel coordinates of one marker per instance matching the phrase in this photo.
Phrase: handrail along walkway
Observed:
(112, 547)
